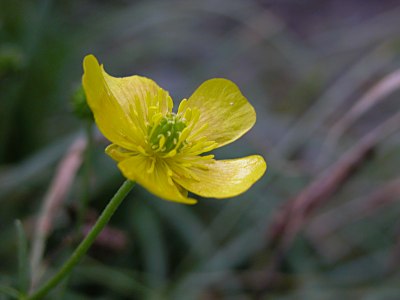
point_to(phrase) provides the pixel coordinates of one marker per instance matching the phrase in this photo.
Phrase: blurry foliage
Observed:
(79, 105)
(302, 64)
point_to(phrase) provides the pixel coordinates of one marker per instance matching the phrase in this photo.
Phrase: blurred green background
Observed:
(322, 75)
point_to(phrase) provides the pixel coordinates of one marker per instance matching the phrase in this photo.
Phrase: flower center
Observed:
(164, 136)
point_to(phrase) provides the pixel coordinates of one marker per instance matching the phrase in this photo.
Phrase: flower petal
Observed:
(223, 107)
(121, 105)
(153, 175)
(109, 115)
(225, 178)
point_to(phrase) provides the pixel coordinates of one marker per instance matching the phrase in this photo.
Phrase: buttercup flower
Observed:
(161, 149)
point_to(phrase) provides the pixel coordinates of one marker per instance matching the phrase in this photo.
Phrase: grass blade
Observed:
(23, 266)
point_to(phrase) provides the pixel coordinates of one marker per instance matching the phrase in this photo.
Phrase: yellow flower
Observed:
(160, 149)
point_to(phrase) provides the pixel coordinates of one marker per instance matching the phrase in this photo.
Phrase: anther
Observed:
(165, 135)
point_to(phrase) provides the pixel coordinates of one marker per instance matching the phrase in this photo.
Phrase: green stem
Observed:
(84, 246)
(23, 265)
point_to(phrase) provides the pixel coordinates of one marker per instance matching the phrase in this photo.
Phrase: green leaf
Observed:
(23, 265)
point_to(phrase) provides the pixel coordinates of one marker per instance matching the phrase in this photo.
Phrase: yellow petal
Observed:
(136, 94)
(153, 175)
(118, 153)
(120, 105)
(228, 113)
(225, 178)
(108, 113)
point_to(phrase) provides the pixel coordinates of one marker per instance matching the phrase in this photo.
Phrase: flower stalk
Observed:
(84, 246)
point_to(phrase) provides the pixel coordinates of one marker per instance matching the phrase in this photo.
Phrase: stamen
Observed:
(182, 106)
(152, 111)
(170, 103)
(185, 133)
(198, 131)
(161, 142)
(169, 171)
(141, 150)
(171, 153)
(164, 134)
(153, 163)
(188, 114)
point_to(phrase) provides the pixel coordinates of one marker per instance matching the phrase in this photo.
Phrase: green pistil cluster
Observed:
(165, 135)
